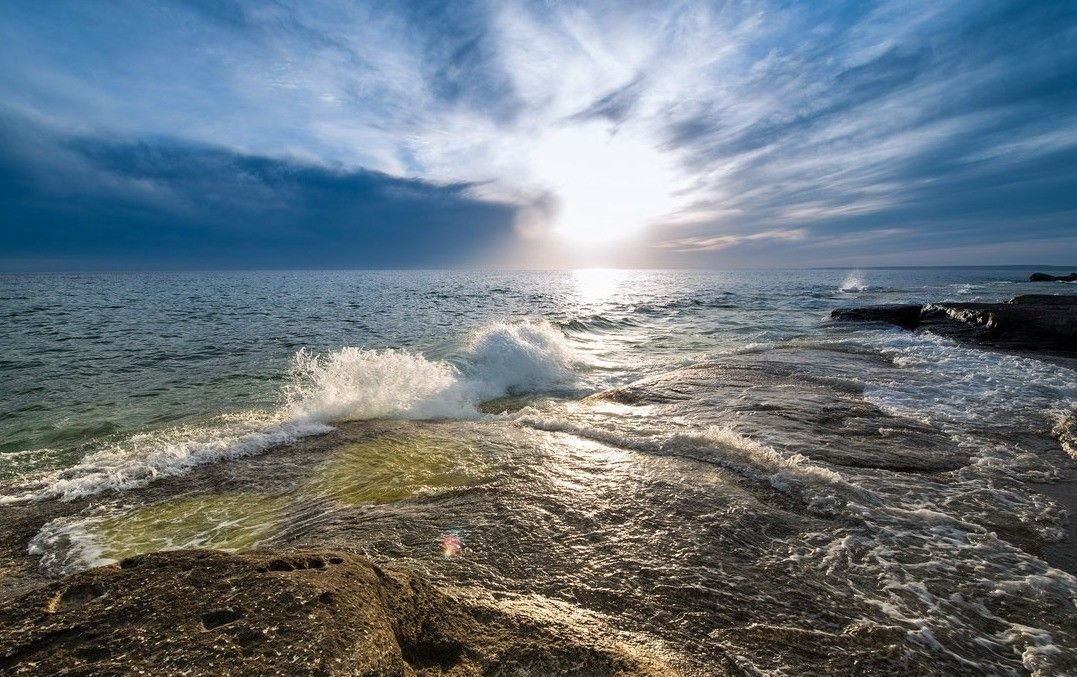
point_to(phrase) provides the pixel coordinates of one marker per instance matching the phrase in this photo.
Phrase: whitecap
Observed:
(347, 384)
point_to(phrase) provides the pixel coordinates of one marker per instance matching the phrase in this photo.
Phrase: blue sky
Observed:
(159, 134)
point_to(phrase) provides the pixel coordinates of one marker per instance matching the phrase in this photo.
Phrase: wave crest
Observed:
(356, 383)
(347, 384)
(351, 384)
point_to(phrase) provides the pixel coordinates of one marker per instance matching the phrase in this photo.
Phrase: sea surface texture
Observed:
(701, 463)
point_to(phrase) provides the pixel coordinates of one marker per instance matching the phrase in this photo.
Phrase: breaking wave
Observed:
(347, 384)
(353, 384)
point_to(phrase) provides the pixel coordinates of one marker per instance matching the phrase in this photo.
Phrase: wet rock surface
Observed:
(1067, 434)
(1033, 322)
(1047, 277)
(297, 612)
(907, 316)
(822, 413)
(724, 555)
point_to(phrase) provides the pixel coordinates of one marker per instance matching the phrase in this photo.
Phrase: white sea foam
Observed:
(942, 381)
(747, 348)
(945, 617)
(356, 383)
(853, 283)
(352, 384)
(145, 457)
(65, 545)
(347, 384)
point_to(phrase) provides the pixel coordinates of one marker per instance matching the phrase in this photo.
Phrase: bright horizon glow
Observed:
(608, 186)
(596, 285)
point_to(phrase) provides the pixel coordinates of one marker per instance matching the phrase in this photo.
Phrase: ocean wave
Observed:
(751, 347)
(595, 323)
(721, 299)
(140, 459)
(347, 384)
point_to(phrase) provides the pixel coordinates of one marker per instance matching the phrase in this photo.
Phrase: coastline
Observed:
(719, 496)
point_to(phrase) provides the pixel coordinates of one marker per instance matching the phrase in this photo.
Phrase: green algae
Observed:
(225, 521)
(390, 469)
(377, 471)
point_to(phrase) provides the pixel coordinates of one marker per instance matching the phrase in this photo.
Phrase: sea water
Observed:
(701, 457)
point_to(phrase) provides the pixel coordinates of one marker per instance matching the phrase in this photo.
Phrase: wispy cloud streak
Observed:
(700, 127)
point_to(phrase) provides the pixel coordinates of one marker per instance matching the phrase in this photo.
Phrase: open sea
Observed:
(698, 462)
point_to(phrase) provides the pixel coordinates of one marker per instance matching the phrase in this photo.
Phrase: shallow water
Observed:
(699, 458)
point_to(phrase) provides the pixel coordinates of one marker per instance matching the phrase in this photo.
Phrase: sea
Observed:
(701, 463)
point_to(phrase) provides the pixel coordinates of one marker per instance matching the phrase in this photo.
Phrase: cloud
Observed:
(166, 203)
(692, 122)
(719, 242)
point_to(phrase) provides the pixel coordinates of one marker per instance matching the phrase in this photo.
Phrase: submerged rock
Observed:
(803, 401)
(326, 613)
(1031, 322)
(1045, 277)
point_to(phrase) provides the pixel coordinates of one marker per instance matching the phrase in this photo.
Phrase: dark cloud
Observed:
(165, 203)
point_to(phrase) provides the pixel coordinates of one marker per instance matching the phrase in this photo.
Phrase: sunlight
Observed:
(608, 186)
(594, 285)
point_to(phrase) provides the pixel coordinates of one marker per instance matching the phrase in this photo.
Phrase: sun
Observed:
(606, 186)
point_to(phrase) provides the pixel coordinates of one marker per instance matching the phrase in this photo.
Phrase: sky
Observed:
(159, 134)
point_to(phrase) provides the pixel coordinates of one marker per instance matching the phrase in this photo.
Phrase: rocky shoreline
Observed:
(286, 612)
(1032, 322)
(305, 603)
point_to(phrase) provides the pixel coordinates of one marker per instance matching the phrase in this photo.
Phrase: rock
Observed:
(1044, 300)
(907, 316)
(822, 414)
(1044, 277)
(271, 613)
(1038, 322)
(1067, 434)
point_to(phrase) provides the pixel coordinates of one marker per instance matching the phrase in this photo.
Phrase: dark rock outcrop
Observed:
(907, 316)
(1040, 322)
(271, 613)
(1044, 300)
(1045, 277)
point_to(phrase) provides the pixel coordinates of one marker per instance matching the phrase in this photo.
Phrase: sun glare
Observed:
(594, 285)
(608, 186)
